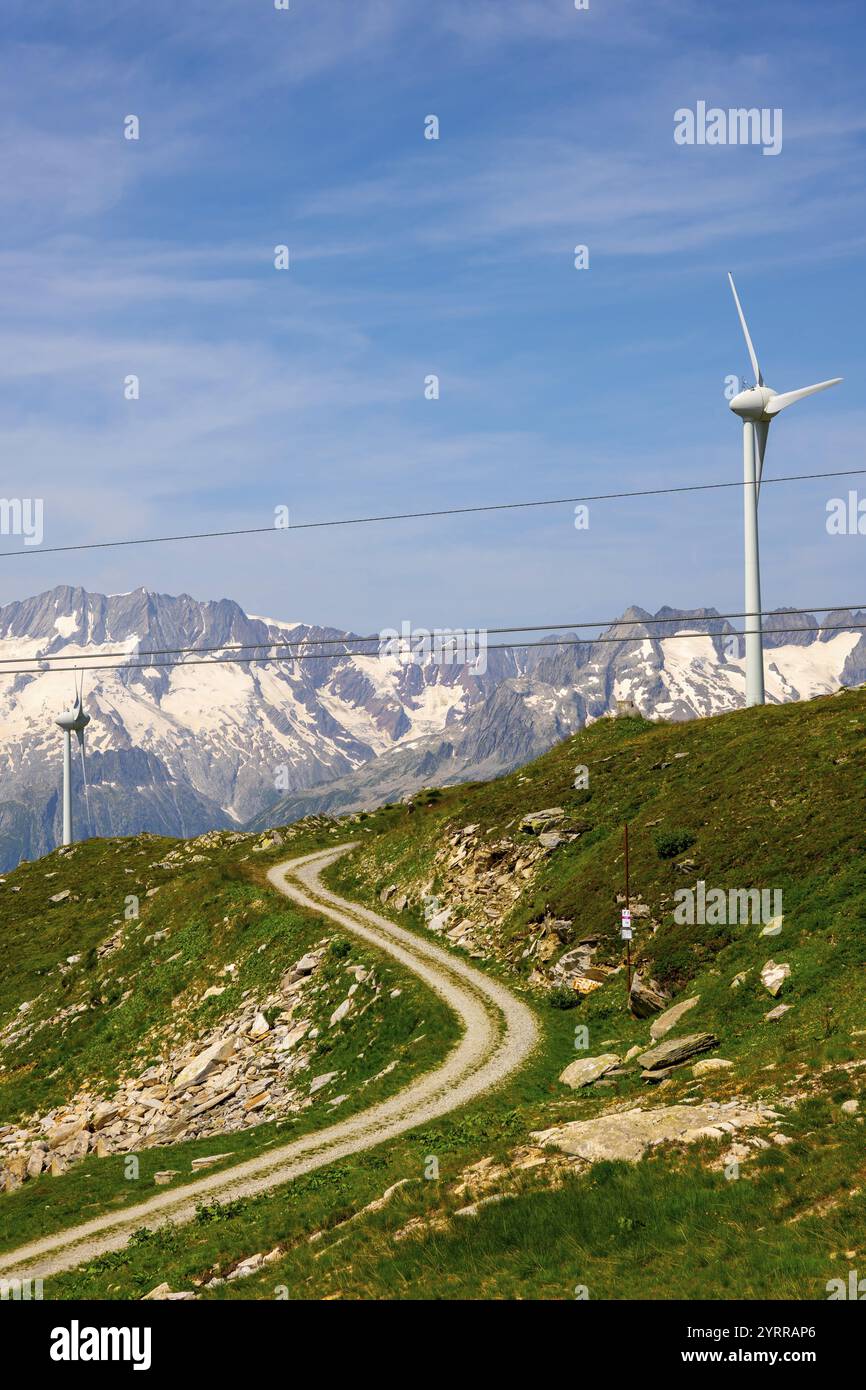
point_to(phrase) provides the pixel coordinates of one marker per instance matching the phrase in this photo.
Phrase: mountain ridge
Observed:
(180, 749)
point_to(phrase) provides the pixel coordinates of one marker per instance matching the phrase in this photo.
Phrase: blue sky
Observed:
(411, 257)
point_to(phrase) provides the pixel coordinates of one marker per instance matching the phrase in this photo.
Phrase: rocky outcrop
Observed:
(628, 1135)
(254, 1066)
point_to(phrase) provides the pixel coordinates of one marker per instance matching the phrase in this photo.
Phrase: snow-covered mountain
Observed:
(637, 663)
(180, 748)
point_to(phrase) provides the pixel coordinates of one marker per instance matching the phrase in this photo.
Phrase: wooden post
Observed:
(628, 906)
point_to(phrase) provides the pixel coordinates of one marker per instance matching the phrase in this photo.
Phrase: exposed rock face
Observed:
(630, 1133)
(481, 880)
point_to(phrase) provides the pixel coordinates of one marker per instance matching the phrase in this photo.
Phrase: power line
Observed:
(495, 646)
(416, 516)
(352, 640)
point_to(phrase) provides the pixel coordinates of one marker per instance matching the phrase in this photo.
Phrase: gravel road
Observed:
(499, 1033)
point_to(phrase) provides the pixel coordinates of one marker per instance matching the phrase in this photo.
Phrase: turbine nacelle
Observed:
(74, 721)
(761, 405)
(752, 404)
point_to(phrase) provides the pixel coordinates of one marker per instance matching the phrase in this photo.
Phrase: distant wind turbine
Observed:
(757, 406)
(74, 721)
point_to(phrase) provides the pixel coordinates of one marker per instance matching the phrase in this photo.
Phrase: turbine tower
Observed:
(73, 721)
(757, 406)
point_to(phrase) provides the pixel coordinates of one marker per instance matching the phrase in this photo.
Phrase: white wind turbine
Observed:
(757, 406)
(74, 721)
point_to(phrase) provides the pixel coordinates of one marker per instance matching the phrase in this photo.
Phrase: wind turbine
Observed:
(757, 407)
(74, 721)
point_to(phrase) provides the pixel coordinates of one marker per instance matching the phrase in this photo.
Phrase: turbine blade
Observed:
(762, 429)
(753, 356)
(789, 397)
(80, 733)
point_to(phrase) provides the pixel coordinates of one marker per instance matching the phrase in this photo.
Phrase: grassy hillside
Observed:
(770, 798)
(93, 1004)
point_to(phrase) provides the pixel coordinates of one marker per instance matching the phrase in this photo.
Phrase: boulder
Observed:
(340, 1012)
(588, 1069)
(661, 1026)
(260, 1026)
(646, 998)
(204, 1063)
(675, 1051)
(246, 1267)
(104, 1114)
(773, 976)
(206, 1162)
(710, 1064)
(35, 1163)
(775, 1014)
(319, 1081)
(550, 839)
(64, 1134)
(534, 822)
(257, 1101)
(163, 1292)
(658, 1076)
(628, 1134)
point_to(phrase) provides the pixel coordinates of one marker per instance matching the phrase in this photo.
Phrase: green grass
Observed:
(213, 914)
(767, 798)
(774, 798)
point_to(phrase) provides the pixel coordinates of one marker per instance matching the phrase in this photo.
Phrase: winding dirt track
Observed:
(499, 1032)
